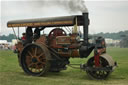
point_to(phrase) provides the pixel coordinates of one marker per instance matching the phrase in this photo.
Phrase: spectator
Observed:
(23, 38)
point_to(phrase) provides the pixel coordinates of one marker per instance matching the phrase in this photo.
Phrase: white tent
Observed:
(3, 42)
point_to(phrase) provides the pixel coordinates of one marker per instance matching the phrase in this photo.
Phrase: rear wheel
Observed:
(33, 60)
(99, 74)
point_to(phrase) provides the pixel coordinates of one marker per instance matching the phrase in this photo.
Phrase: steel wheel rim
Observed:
(33, 60)
(98, 74)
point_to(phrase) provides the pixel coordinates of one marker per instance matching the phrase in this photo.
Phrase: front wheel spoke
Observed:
(103, 72)
(97, 73)
(100, 73)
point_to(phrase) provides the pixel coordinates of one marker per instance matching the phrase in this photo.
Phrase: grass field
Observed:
(12, 74)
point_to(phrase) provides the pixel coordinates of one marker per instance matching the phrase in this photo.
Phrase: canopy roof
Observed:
(47, 22)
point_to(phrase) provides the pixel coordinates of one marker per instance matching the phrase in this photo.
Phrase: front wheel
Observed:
(98, 74)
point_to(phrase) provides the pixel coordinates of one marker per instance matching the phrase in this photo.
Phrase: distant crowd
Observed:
(6, 47)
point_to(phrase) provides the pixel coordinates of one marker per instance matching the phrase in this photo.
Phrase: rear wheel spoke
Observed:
(41, 54)
(35, 51)
(30, 54)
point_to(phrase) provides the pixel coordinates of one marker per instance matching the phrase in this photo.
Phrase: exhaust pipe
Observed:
(85, 48)
(85, 28)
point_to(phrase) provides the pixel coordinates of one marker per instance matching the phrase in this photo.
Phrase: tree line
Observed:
(8, 37)
(115, 36)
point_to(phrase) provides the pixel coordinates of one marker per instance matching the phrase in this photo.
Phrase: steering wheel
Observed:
(56, 32)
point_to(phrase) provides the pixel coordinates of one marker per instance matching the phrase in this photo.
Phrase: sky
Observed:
(105, 15)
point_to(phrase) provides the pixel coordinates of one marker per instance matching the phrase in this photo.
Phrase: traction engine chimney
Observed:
(85, 28)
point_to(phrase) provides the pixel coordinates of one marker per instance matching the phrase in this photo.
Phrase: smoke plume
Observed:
(74, 5)
(69, 5)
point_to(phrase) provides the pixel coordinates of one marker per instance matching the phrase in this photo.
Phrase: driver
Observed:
(37, 32)
(29, 35)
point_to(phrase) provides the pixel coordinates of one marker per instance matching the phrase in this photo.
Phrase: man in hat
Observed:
(23, 38)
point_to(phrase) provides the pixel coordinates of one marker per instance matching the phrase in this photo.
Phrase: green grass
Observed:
(12, 74)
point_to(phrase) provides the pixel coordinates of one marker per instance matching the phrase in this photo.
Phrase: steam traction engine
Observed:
(39, 54)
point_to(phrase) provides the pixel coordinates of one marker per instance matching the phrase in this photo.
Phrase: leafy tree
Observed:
(8, 38)
(115, 36)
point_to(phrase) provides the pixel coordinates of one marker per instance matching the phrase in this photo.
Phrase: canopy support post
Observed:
(18, 32)
(14, 33)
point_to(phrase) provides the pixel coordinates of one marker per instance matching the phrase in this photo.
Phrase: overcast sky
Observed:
(105, 15)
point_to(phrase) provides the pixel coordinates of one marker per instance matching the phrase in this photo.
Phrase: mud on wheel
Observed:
(33, 60)
(99, 74)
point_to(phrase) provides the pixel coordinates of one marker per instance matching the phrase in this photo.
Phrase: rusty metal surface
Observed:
(75, 53)
(42, 39)
(63, 40)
